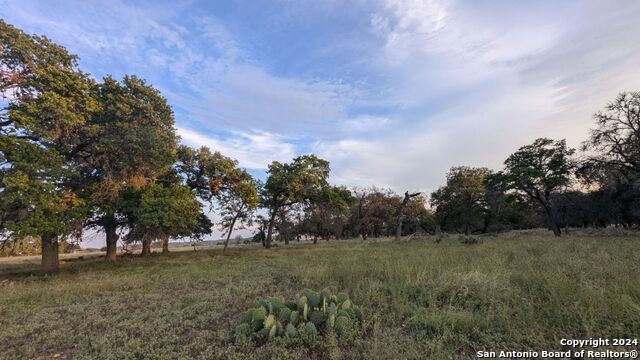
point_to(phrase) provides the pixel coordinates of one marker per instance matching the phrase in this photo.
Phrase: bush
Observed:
(310, 316)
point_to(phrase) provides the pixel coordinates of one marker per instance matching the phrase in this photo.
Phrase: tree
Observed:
(326, 213)
(537, 171)
(46, 102)
(162, 212)
(461, 204)
(401, 210)
(507, 210)
(374, 213)
(206, 173)
(616, 139)
(238, 202)
(130, 142)
(613, 162)
(292, 183)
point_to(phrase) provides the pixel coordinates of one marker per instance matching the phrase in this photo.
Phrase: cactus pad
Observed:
(318, 317)
(291, 331)
(310, 329)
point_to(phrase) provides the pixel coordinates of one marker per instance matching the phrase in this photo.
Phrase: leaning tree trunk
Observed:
(50, 260)
(400, 214)
(146, 247)
(112, 239)
(233, 223)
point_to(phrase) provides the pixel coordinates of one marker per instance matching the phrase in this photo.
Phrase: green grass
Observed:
(420, 299)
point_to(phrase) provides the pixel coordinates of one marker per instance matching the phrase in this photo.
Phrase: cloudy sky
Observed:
(392, 93)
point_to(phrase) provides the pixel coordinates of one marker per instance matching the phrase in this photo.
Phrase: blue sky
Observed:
(392, 93)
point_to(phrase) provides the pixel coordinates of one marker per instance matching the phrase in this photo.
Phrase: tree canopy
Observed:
(461, 205)
(537, 171)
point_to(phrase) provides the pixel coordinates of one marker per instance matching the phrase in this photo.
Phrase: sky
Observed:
(393, 93)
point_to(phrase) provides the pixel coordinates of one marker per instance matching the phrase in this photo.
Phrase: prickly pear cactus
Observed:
(291, 331)
(325, 296)
(312, 296)
(318, 317)
(301, 301)
(307, 317)
(269, 321)
(310, 329)
(294, 318)
(284, 314)
(258, 314)
(342, 297)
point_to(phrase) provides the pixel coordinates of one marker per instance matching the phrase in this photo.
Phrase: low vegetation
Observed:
(420, 298)
(310, 315)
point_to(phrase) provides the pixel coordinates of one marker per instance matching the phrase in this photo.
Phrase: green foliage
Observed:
(40, 126)
(292, 183)
(461, 204)
(207, 173)
(159, 211)
(275, 318)
(537, 171)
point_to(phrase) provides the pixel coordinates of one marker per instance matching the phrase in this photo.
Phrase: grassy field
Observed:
(421, 299)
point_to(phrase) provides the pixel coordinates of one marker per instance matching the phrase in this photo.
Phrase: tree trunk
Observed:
(50, 260)
(399, 228)
(272, 222)
(165, 244)
(146, 248)
(233, 223)
(551, 219)
(112, 239)
(555, 228)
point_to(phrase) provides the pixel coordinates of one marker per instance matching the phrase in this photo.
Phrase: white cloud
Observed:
(507, 78)
(252, 150)
(247, 97)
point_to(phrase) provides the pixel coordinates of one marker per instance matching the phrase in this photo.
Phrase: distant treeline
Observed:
(78, 153)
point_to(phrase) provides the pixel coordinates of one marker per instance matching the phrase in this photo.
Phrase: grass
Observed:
(421, 299)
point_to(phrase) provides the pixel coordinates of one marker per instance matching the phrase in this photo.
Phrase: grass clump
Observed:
(469, 240)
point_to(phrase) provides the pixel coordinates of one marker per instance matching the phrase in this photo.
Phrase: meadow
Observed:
(420, 298)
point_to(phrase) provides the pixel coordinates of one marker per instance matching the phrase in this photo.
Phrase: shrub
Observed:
(310, 316)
